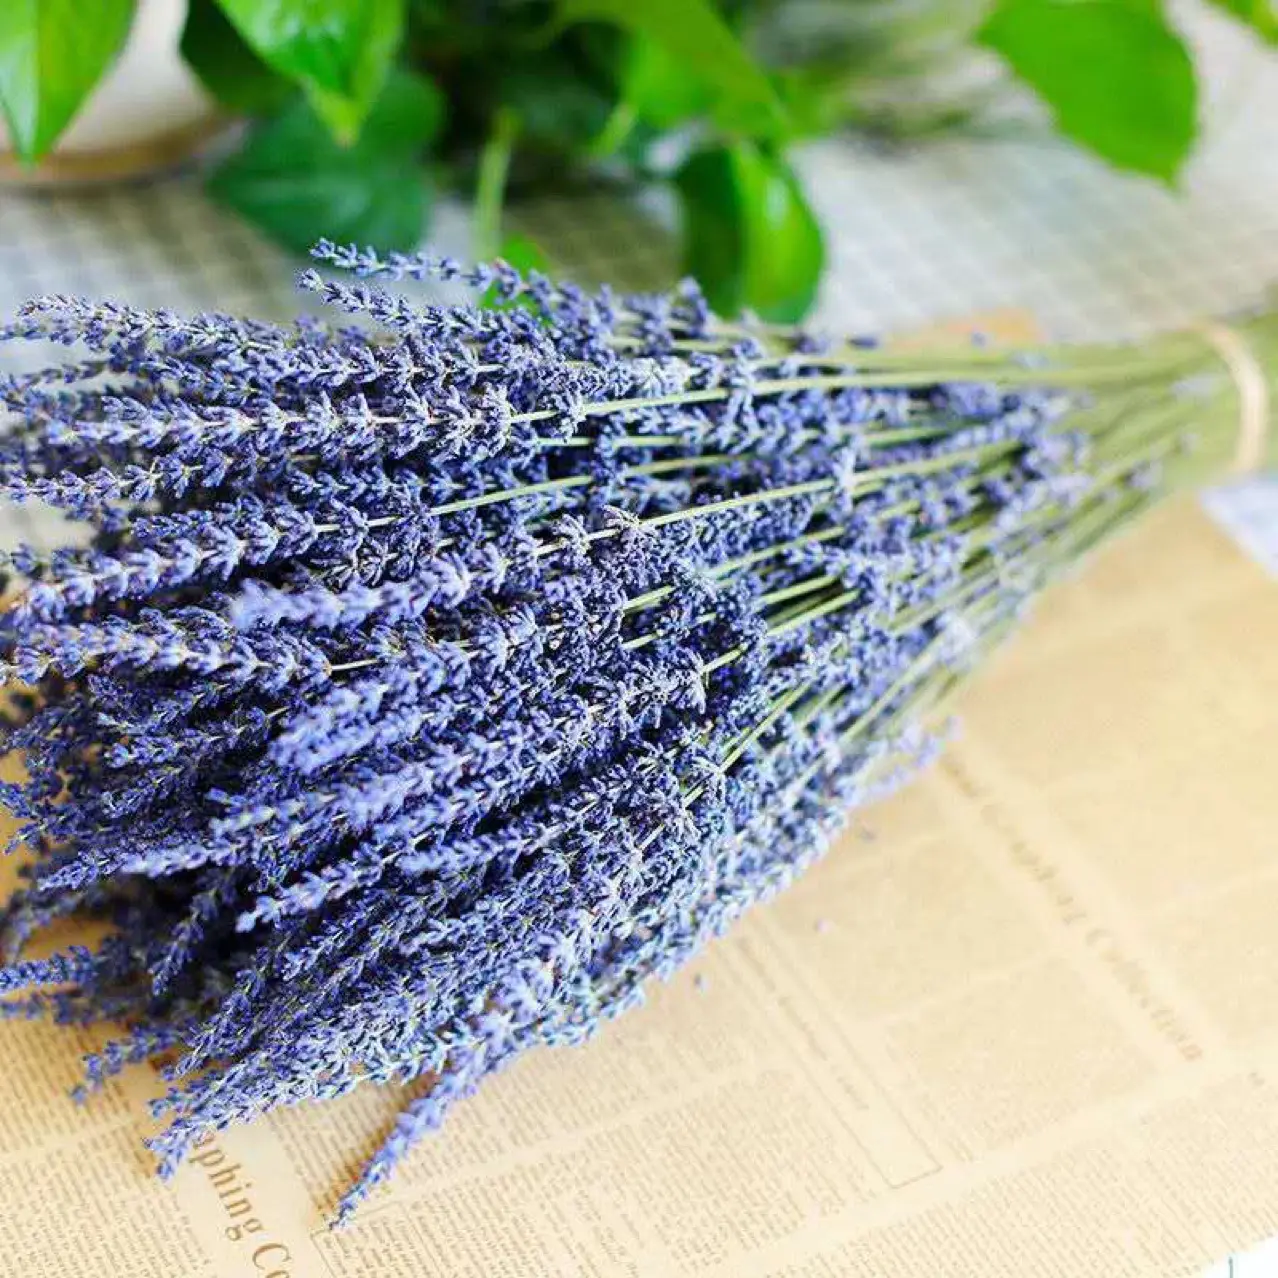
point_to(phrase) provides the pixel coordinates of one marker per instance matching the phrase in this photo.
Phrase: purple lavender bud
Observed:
(430, 681)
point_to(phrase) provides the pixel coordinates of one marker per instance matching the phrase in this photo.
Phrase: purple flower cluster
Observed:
(432, 679)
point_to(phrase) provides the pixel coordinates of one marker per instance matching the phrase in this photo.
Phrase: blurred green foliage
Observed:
(360, 108)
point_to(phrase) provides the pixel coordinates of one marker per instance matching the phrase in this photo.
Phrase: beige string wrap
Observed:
(1253, 393)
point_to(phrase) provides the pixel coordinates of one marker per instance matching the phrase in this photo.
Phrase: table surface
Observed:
(953, 227)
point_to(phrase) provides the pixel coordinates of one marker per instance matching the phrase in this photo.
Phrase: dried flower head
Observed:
(430, 681)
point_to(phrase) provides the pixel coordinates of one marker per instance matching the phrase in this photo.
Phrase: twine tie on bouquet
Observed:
(1253, 393)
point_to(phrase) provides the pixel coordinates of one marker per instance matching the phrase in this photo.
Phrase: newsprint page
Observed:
(1022, 1021)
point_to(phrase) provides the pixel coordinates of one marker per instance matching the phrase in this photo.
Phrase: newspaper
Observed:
(1022, 1021)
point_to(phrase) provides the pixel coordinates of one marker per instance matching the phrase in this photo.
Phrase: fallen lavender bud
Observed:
(425, 688)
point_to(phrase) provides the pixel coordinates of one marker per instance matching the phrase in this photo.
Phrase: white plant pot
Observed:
(147, 113)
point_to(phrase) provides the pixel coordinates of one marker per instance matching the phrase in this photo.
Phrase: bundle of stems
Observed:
(432, 679)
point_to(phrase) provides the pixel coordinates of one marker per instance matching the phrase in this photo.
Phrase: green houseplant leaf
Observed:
(1260, 15)
(749, 236)
(226, 66)
(339, 51)
(298, 185)
(555, 106)
(694, 34)
(1114, 74)
(657, 86)
(524, 255)
(52, 54)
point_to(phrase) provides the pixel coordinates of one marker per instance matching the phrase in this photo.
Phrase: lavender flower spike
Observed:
(421, 691)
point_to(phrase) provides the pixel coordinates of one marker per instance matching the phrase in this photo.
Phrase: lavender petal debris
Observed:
(430, 679)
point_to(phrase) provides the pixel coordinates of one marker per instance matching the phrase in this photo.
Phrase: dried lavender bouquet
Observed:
(429, 685)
